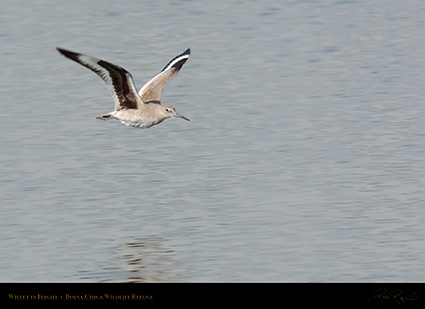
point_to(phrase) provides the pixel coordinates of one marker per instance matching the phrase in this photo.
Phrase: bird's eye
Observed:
(167, 110)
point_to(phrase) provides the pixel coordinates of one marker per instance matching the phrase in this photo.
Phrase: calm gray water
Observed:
(303, 162)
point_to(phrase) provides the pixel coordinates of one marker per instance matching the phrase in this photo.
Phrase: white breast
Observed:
(137, 124)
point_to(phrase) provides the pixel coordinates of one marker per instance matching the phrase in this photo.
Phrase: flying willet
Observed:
(142, 109)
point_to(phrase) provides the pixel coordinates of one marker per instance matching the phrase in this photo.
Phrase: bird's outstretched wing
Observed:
(118, 80)
(151, 92)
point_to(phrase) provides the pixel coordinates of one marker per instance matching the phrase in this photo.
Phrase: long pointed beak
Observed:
(181, 116)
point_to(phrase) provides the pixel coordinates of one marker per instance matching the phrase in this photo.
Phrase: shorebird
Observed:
(141, 109)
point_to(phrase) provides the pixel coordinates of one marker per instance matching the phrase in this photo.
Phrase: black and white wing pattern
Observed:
(151, 92)
(118, 80)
